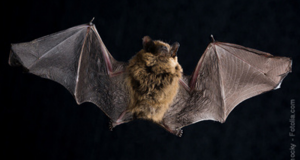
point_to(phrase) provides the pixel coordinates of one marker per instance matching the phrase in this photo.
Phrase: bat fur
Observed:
(153, 79)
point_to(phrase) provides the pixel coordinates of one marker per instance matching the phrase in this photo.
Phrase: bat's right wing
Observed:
(226, 75)
(78, 59)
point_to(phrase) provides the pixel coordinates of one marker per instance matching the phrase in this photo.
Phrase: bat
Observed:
(151, 85)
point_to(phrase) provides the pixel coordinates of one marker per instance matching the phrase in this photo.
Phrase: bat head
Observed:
(160, 48)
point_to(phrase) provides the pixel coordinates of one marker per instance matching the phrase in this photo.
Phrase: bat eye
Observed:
(164, 48)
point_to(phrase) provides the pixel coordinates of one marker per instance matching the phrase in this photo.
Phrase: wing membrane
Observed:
(226, 75)
(78, 59)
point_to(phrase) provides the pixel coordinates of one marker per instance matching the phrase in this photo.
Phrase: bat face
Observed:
(160, 48)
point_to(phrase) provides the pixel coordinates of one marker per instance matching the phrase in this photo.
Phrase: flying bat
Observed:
(151, 85)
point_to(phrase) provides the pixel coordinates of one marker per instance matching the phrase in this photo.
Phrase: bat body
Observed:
(153, 79)
(151, 85)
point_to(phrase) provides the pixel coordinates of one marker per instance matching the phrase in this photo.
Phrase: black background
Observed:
(41, 120)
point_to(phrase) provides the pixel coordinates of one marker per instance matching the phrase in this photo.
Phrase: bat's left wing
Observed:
(78, 59)
(226, 75)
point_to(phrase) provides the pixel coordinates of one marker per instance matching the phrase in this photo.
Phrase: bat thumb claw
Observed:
(91, 22)
(212, 38)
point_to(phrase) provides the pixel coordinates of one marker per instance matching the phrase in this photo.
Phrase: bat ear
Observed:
(148, 44)
(174, 49)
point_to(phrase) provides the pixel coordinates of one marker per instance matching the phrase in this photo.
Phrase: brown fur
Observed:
(153, 80)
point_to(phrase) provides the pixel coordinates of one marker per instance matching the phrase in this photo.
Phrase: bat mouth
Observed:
(168, 54)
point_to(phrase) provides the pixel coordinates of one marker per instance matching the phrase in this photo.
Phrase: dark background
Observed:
(40, 120)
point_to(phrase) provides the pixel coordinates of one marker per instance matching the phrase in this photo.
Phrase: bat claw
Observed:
(91, 22)
(178, 132)
(111, 125)
(212, 38)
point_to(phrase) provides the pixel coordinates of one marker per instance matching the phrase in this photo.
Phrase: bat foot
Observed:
(110, 125)
(178, 132)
